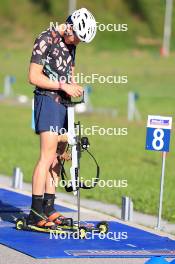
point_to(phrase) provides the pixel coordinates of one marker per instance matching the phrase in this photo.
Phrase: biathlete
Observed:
(52, 72)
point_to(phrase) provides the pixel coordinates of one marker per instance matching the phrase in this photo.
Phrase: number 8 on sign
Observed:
(158, 142)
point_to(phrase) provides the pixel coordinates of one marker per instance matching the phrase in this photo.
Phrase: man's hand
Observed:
(73, 90)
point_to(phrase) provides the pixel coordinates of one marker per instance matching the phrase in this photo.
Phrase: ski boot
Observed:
(37, 222)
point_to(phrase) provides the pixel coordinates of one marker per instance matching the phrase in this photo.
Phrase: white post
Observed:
(131, 106)
(161, 191)
(7, 86)
(71, 131)
(167, 27)
(17, 180)
(21, 180)
(72, 6)
(125, 208)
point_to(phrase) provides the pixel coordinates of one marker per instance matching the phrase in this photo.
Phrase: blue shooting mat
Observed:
(125, 241)
(11, 201)
(39, 245)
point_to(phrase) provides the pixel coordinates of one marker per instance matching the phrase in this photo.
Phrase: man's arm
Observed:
(36, 77)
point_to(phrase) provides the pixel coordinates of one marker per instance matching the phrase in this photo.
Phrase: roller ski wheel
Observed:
(103, 227)
(81, 232)
(21, 224)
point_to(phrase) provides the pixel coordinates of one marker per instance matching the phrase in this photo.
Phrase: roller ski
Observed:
(81, 229)
(67, 224)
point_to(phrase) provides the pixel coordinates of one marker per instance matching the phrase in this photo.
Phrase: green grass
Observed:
(120, 157)
(23, 20)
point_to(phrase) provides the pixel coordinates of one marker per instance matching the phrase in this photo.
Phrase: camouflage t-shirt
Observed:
(57, 57)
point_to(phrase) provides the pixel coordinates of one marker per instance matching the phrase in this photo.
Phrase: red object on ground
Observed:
(163, 52)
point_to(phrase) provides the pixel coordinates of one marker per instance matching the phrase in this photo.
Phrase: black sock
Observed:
(48, 203)
(37, 202)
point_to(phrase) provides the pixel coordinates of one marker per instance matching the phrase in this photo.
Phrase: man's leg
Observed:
(52, 180)
(48, 146)
(53, 175)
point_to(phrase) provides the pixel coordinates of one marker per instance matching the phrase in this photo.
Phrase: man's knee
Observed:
(47, 160)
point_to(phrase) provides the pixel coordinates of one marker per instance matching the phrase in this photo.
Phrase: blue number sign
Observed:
(158, 133)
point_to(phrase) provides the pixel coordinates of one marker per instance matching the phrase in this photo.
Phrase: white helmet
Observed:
(84, 24)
